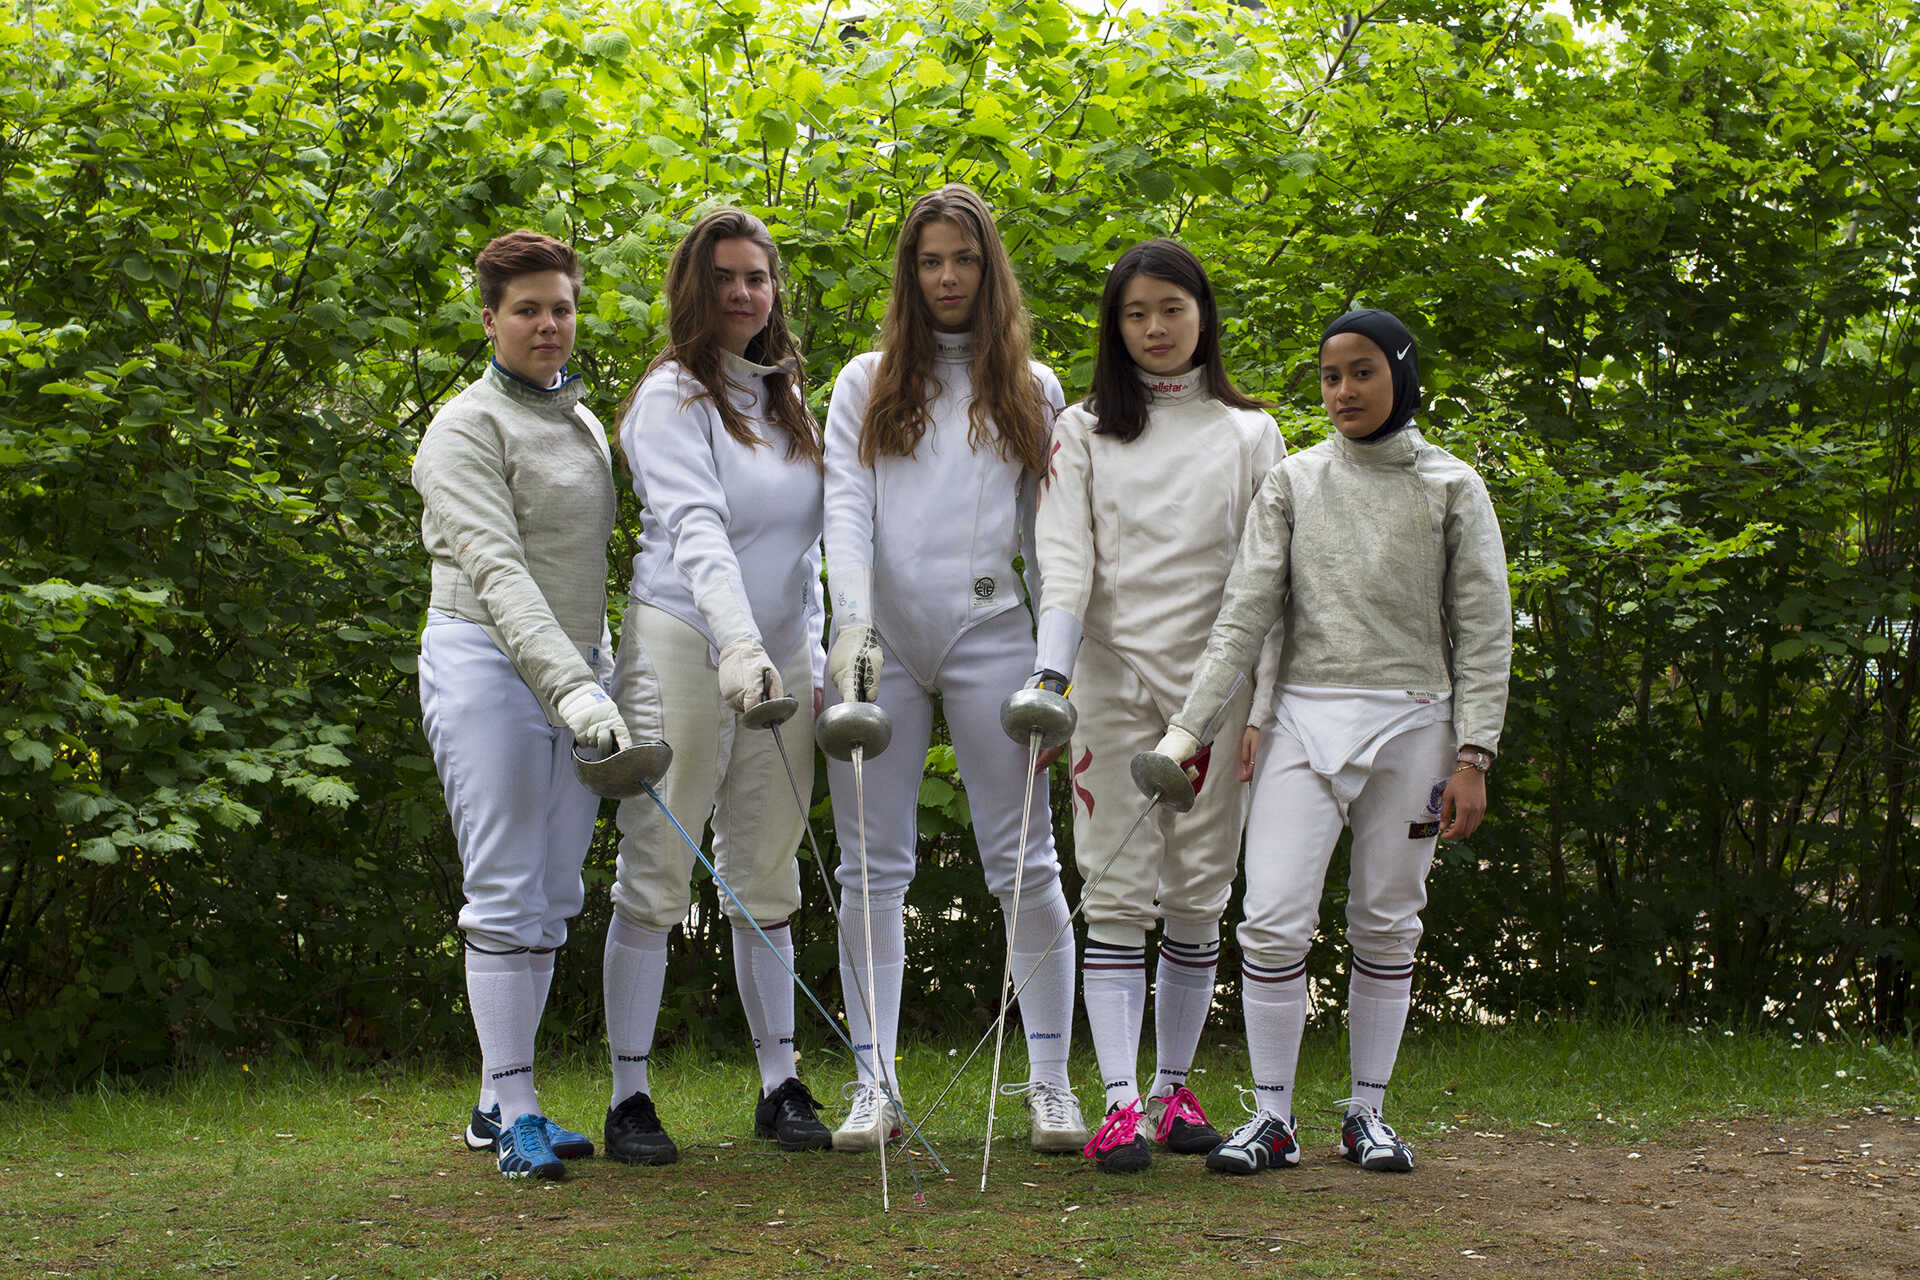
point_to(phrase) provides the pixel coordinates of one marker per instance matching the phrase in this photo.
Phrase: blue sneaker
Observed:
(524, 1151)
(483, 1130)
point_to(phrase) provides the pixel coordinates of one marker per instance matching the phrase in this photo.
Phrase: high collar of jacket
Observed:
(557, 399)
(1396, 450)
(953, 348)
(740, 369)
(1173, 388)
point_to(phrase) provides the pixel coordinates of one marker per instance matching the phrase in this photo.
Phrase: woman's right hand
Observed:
(594, 718)
(853, 664)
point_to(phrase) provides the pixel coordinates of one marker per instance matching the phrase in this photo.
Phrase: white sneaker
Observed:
(1053, 1116)
(871, 1119)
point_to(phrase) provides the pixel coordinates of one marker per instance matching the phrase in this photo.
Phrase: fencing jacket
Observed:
(1384, 568)
(941, 528)
(516, 482)
(722, 516)
(1137, 537)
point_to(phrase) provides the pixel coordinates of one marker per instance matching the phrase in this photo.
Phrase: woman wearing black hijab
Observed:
(1378, 556)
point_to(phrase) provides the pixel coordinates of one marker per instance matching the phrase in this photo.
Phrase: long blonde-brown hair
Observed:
(693, 321)
(1008, 413)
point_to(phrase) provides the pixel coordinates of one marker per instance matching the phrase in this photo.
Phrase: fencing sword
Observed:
(628, 773)
(770, 714)
(1163, 780)
(1046, 720)
(852, 731)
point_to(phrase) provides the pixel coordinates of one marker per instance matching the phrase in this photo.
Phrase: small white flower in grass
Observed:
(1840, 1075)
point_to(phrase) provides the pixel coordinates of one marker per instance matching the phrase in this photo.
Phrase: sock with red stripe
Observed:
(1113, 982)
(1274, 997)
(1182, 998)
(1378, 997)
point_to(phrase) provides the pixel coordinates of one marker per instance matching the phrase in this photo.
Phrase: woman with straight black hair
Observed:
(1152, 477)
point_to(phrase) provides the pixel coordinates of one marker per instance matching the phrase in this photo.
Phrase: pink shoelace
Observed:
(1118, 1130)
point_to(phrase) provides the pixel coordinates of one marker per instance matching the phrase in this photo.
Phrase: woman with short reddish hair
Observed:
(516, 484)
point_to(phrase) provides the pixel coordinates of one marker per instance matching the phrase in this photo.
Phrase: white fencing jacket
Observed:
(724, 517)
(1384, 568)
(939, 529)
(1137, 537)
(517, 487)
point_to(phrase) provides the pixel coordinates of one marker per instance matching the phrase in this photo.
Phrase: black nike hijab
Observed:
(1385, 331)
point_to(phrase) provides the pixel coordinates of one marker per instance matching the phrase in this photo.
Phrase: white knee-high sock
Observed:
(1182, 998)
(766, 992)
(634, 971)
(1113, 982)
(1275, 1000)
(1046, 1004)
(1378, 997)
(875, 1038)
(506, 1016)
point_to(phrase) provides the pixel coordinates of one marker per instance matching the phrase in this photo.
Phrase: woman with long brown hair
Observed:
(725, 612)
(936, 444)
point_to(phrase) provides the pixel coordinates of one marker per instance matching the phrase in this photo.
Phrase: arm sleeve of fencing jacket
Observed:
(1266, 671)
(816, 622)
(1064, 525)
(850, 493)
(1033, 491)
(668, 438)
(1479, 614)
(1251, 607)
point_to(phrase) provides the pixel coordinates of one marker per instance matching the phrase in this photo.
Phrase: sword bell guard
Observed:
(770, 712)
(624, 774)
(847, 727)
(1030, 711)
(1161, 778)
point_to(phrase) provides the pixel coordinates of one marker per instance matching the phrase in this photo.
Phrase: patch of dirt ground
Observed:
(1824, 1198)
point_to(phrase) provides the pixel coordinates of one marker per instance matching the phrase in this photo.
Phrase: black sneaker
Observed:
(634, 1135)
(1180, 1125)
(1264, 1142)
(1118, 1146)
(789, 1116)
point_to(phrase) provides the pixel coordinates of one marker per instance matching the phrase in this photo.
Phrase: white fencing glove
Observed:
(594, 719)
(853, 664)
(747, 676)
(1185, 749)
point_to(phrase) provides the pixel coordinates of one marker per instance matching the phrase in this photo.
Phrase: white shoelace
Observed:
(1052, 1103)
(866, 1102)
(1375, 1130)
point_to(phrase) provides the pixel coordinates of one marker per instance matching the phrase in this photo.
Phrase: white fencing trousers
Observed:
(1295, 823)
(521, 820)
(983, 666)
(666, 686)
(1178, 866)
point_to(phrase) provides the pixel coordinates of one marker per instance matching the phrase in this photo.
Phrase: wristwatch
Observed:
(1481, 760)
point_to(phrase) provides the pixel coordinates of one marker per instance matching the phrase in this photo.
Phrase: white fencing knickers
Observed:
(980, 668)
(1295, 822)
(667, 688)
(522, 821)
(1178, 866)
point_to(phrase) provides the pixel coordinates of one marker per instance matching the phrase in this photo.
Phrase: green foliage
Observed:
(1662, 266)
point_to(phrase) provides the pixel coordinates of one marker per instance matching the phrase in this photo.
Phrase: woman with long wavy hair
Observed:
(725, 612)
(936, 444)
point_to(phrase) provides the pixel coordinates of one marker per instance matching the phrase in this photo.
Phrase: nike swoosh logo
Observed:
(1403, 352)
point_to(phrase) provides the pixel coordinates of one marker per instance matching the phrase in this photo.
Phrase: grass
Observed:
(278, 1170)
